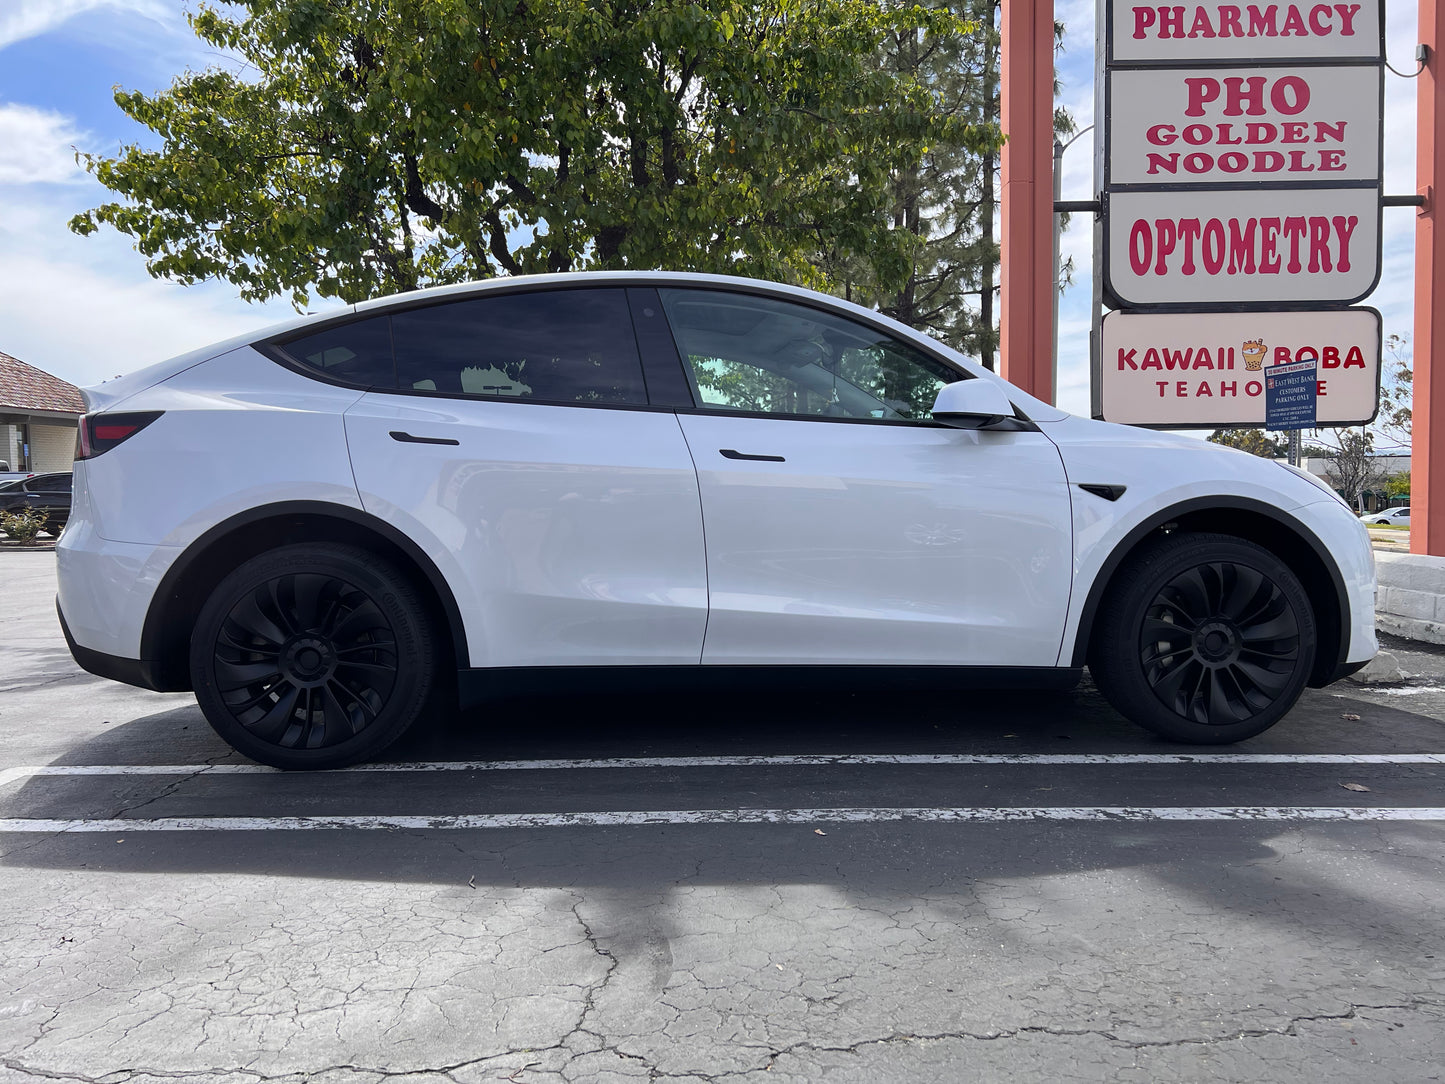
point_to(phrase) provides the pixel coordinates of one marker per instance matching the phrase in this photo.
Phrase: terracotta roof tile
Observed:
(24, 387)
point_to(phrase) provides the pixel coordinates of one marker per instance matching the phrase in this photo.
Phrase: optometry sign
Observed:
(1207, 370)
(1254, 248)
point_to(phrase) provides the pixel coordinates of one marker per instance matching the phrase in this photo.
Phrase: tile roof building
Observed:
(38, 417)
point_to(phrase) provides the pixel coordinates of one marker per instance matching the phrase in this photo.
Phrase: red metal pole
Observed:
(1026, 107)
(1427, 461)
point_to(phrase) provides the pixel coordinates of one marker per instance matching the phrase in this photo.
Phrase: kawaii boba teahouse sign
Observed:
(1242, 173)
(1187, 370)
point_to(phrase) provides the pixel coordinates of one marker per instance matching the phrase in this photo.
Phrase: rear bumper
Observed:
(106, 591)
(141, 673)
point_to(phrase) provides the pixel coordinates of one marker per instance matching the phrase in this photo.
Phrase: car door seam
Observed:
(702, 522)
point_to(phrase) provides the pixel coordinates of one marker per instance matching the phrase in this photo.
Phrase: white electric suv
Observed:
(317, 527)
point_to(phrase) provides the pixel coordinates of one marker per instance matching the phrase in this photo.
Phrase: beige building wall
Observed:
(52, 447)
(10, 446)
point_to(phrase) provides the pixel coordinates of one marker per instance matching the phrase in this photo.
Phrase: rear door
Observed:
(517, 444)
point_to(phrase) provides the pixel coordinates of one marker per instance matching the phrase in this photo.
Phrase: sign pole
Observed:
(1427, 464)
(1026, 110)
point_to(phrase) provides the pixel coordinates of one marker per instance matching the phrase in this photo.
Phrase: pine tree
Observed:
(947, 202)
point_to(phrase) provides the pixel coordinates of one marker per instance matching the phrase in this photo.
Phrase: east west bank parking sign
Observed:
(1242, 163)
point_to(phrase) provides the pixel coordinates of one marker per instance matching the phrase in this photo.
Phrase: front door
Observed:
(842, 524)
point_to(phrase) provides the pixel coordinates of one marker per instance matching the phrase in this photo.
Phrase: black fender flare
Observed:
(153, 632)
(1182, 509)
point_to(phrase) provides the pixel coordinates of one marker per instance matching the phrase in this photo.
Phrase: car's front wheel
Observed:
(1204, 638)
(312, 656)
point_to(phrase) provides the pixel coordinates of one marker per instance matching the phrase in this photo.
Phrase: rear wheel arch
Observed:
(1253, 521)
(165, 637)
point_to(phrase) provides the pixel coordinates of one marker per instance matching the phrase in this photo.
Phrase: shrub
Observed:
(24, 525)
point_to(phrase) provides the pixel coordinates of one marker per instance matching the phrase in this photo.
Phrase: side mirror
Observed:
(971, 404)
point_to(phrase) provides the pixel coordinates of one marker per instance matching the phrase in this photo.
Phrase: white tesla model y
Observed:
(318, 526)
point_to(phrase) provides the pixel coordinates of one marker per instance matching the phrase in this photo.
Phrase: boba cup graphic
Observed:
(1253, 351)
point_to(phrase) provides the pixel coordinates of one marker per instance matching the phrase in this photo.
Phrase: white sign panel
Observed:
(1205, 370)
(1183, 33)
(1242, 247)
(1200, 125)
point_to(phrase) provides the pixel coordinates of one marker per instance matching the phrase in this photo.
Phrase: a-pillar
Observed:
(1427, 461)
(1026, 274)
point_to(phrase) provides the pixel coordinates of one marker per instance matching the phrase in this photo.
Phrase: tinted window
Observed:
(50, 483)
(775, 357)
(563, 346)
(358, 353)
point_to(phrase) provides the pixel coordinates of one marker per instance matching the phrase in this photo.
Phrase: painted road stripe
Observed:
(9, 775)
(628, 818)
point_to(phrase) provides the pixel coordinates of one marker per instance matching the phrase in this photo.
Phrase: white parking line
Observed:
(10, 775)
(627, 818)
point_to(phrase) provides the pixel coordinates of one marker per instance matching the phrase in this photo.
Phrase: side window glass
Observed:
(358, 353)
(766, 356)
(559, 346)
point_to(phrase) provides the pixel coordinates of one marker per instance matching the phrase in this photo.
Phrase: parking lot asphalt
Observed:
(850, 884)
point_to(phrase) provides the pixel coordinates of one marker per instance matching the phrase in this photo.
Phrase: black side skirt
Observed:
(478, 685)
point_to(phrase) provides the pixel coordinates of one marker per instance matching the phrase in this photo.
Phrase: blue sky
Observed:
(85, 308)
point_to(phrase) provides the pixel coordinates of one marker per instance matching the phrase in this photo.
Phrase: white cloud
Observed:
(84, 308)
(21, 19)
(39, 146)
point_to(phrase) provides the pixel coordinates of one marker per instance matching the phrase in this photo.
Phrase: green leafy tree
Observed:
(1253, 441)
(1398, 484)
(371, 146)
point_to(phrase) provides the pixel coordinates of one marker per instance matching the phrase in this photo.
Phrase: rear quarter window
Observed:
(355, 353)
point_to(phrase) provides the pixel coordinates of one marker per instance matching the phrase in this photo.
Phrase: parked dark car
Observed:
(48, 493)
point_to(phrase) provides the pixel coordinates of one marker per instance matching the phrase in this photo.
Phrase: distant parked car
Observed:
(1390, 517)
(49, 493)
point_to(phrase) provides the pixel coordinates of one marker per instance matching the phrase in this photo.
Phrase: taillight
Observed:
(102, 432)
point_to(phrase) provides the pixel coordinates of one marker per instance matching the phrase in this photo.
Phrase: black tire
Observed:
(1203, 638)
(313, 656)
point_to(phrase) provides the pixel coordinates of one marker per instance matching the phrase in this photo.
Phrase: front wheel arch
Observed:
(1252, 521)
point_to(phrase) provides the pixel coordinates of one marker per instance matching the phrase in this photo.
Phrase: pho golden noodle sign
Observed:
(1243, 159)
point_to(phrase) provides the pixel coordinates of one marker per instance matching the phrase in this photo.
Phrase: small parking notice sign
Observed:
(1290, 393)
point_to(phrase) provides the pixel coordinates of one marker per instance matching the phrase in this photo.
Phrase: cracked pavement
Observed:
(1019, 950)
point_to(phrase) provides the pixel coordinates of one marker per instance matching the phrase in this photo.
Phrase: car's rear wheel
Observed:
(312, 656)
(1204, 638)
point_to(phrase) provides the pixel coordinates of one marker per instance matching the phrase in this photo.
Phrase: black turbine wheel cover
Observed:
(1219, 643)
(305, 661)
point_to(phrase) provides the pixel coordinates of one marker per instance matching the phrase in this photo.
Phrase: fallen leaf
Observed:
(1354, 786)
(1351, 718)
(819, 832)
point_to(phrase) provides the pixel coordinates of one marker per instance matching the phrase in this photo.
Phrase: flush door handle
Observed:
(407, 438)
(732, 453)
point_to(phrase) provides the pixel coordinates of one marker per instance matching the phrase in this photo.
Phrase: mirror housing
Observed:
(971, 404)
